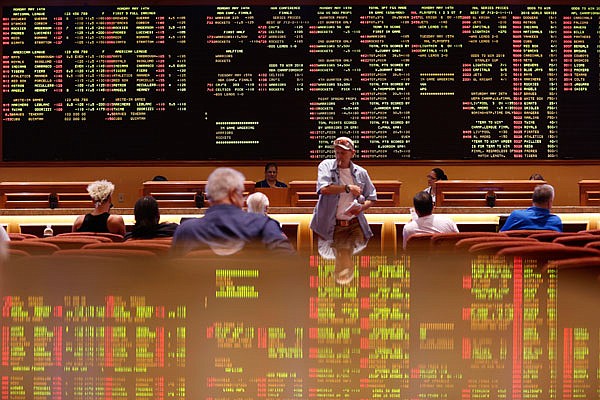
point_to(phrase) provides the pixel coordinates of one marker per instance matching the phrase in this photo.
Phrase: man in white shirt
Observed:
(426, 221)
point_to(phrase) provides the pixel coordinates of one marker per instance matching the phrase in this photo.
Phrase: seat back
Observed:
(112, 236)
(157, 248)
(465, 244)
(34, 247)
(447, 241)
(550, 236)
(526, 232)
(579, 240)
(545, 252)
(66, 243)
(497, 245)
(115, 253)
(419, 242)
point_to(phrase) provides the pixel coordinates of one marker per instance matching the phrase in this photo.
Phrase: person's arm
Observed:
(77, 223)
(327, 183)
(116, 224)
(338, 189)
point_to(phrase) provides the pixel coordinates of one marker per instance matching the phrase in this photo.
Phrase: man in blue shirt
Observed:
(345, 193)
(538, 216)
(225, 228)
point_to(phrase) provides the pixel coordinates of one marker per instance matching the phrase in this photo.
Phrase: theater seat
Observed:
(497, 245)
(579, 240)
(419, 242)
(465, 244)
(157, 248)
(526, 232)
(545, 252)
(34, 247)
(112, 236)
(447, 241)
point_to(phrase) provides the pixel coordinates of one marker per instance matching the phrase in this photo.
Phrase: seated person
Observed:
(436, 174)
(147, 217)
(536, 177)
(258, 203)
(225, 228)
(100, 220)
(426, 222)
(270, 180)
(538, 216)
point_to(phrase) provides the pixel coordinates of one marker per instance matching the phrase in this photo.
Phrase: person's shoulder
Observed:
(360, 169)
(410, 225)
(328, 162)
(281, 184)
(261, 184)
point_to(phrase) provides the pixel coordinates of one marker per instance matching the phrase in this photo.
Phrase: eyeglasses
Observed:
(432, 177)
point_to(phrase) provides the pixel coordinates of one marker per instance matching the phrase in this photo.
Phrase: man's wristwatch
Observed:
(347, 188)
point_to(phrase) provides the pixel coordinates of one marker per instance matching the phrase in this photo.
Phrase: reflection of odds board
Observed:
(425, 327)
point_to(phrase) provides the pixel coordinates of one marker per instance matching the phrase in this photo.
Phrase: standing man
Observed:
(345, 193)
(270, 180)
(538, 216)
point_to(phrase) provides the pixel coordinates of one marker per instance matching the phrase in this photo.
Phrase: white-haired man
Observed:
(226, 228)
(538, 216)
(258, 203)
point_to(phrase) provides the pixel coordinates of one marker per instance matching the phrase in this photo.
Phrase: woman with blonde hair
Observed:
(100, 219)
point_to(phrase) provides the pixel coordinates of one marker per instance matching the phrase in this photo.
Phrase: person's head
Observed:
(225, 186)
(543, 196)
(100, 192)
(146, 211)
(436, 174)
(257, 203)
(423, 204)
(160, 178)
(536, 177)
(344, 151)
(271, 172)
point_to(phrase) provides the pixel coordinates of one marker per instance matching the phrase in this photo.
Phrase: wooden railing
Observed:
(492, 193)
(589, 193)
(304, 193)
(181, 194)
(18, 195)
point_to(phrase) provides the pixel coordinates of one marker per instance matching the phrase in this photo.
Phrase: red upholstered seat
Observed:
(579, 240)
(549, 251)
(465, 244)
(550, 236)
(494, 247)
(419, 242)
(157, 248)
(112, 236)
(66, 243)
(33, 247)
(526, 232)
(448, 240)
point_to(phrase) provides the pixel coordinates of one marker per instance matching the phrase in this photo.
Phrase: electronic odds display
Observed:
(246, 82)
(204, 329)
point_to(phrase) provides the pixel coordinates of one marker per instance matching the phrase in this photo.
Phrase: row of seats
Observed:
(542, 244)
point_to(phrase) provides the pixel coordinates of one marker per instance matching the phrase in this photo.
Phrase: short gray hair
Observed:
(543, 194)
(221, 181)
(257, 203)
